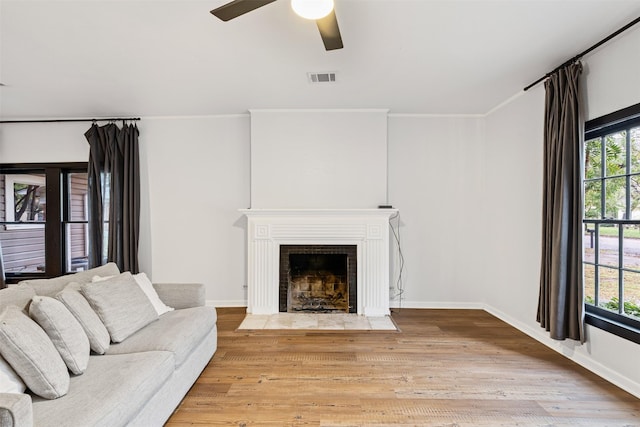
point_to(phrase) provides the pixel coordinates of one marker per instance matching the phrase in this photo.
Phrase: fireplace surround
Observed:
(366, 229)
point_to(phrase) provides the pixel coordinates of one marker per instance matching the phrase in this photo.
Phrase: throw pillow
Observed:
(101, 278)
(16, 295)
(99, 339)
(32, 355)
(121, 305)
(147, 287)
(66, 334)
(10, 382)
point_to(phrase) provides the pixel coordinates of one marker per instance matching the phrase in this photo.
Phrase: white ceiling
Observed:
(104, 58)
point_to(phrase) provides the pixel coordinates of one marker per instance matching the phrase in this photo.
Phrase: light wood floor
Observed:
(445, 368)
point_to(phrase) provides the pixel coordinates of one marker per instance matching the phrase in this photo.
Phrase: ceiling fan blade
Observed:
(236, 8)
(330, 32)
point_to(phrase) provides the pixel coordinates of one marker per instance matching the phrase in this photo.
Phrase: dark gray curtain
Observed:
(114, 195)
(560, 304)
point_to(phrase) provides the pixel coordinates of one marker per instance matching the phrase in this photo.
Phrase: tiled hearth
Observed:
(367, 229)
(312, 321)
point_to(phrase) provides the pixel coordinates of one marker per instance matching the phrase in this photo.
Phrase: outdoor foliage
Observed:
(615, 168)
(27, 202)
(613, 304)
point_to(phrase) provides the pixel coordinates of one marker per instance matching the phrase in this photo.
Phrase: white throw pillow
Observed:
(10, 382)
(147, 287)
(64, 330)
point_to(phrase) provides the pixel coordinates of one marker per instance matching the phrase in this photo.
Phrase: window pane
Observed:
(592, 199)
(608, 289)
(635, 196)
(632, 294)
(77, 247)
(77, 196)
(608, 245)
(615, 201)
(615, 154)
(589, 284)
(631, 251)
(23, 248)
(588, 243)
(635, 149)
(76, 235)
(593, 158)
(24, 198)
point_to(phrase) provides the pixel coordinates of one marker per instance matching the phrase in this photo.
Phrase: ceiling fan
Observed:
(321, 11)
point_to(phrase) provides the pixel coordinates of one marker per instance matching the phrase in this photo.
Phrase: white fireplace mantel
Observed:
(368, 229)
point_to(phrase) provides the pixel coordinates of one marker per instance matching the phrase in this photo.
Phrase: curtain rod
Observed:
(113, 119)
(581, 54)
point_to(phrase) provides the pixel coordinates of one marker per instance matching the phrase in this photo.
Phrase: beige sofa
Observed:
(138, 381)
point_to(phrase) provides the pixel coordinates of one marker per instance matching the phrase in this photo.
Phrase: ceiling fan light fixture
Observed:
(312, 9)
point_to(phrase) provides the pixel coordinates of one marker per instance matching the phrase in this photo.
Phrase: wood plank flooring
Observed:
(444, 368)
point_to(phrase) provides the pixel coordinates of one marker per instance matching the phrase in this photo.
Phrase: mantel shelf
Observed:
(386, 212)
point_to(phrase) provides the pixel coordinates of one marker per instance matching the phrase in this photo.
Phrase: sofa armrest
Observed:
(181, 295)
(15, 410)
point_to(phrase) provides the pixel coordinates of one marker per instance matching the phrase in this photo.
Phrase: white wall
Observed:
(198, 177)
(436, 180)
(43, 142)
(612, 75)
(318, 158)
(514, 203)
(194, 178)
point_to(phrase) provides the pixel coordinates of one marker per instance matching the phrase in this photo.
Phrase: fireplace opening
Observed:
(318, 278)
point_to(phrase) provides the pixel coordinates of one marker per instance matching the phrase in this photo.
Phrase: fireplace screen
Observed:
(318, 278)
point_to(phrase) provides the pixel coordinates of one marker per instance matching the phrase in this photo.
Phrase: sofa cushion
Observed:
(10, 382)
(97, 333)
(50, 287)
(121, 305)
(110, 392)
(66, 334)
(32, 355)
(19, 296)
(178, 331)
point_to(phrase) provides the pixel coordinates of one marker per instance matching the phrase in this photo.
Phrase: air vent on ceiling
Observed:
(329, 77)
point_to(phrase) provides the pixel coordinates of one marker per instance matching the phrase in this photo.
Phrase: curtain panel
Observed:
(560, 303)
(114, 195)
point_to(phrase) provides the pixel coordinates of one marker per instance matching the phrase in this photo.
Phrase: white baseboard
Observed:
(564, 349)
(444, 305)
(225, 303)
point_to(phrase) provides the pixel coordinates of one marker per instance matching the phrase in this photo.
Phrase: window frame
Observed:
(57, 194)
(615, 323)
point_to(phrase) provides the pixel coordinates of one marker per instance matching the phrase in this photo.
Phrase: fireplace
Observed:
(318, 278)
(365, 230)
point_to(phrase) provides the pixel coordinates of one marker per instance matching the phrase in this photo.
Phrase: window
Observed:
(612, 222)
(43, 219)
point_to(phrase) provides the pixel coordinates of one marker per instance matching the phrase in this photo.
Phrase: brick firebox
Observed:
(318, 278)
